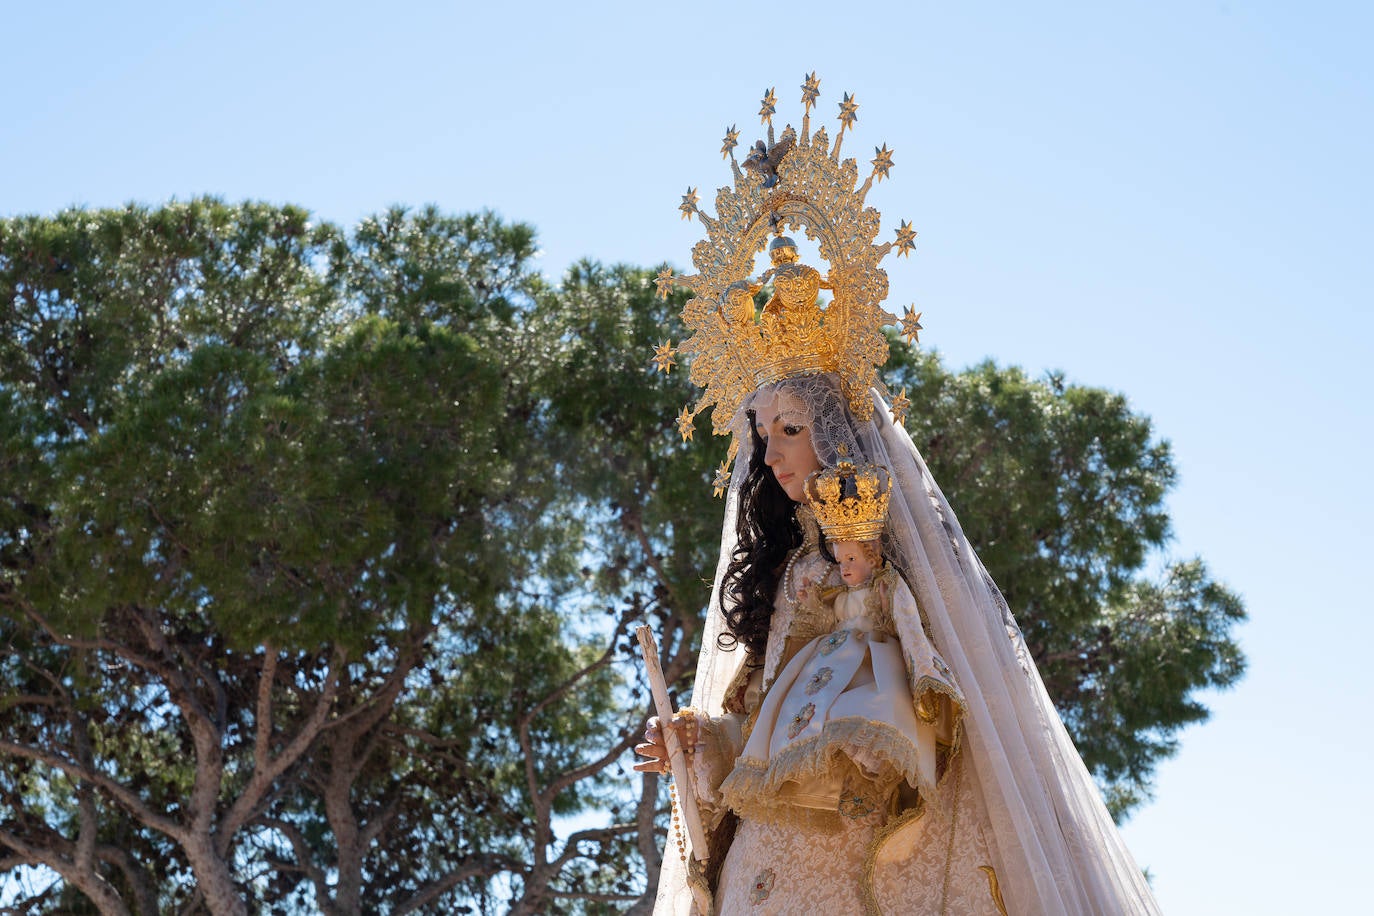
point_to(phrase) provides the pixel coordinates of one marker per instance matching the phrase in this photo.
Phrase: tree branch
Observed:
(267, 771)
(481, 866)
(567, 778)
(595, 898)
(602, 835)
(144, 897)
(634, 520)
(121, 795)
(262, 738)
(646, 809)
(305, 862)
(85, 879)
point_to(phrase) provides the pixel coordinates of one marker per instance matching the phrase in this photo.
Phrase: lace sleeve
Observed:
(720, 740)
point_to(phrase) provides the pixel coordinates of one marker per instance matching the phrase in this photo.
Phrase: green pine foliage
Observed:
(320, 551)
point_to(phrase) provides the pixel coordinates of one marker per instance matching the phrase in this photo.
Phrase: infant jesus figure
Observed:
(864, 713)
(857, 561)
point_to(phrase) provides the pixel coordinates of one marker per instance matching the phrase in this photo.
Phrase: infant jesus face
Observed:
(857, 560)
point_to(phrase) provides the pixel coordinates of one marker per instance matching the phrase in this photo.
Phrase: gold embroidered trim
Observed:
(930, 684)
(755, 788)
(739, 687)
(889, 830)
(814, 617)
(879, 612)
(949, 848)
(880, 838)
(994, 889)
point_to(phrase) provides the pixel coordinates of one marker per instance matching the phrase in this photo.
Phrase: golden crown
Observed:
(849, 501)
(797, 180)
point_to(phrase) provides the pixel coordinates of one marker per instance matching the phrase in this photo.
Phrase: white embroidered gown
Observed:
(842, 763)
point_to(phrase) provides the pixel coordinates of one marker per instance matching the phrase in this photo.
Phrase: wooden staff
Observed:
(677, 760)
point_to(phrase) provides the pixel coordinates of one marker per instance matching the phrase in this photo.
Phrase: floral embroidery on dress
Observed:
(800, 720)
(834, 641)
(763, 886)
(855, 805)
(818, 681)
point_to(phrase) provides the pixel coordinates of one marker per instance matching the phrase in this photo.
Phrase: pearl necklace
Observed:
(810, 542)
(788, 591)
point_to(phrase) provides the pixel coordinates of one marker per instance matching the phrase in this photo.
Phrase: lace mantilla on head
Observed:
(819, 403)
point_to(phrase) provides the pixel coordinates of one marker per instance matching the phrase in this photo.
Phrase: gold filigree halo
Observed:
(793, 181)
(850, 501)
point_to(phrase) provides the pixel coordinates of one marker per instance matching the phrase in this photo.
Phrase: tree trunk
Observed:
(214, 880)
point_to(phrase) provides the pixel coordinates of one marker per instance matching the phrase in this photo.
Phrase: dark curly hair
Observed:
(765, 530)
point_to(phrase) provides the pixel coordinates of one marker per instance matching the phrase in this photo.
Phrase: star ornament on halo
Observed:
(882, 164)
(685, 424)
(906, 238)
(664, 282)
(768, 107)
(729, 143)
(663, 357)
(911, 325)
(689, 203)
(901, 405)
(849, 110)
(721, 482)
(811, 90)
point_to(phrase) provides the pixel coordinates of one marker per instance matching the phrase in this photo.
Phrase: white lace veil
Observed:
(1060, 851)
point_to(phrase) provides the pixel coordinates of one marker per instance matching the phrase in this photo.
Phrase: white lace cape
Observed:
(1058, 848)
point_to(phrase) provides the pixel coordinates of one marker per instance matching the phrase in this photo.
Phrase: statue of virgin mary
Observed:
(916, 764)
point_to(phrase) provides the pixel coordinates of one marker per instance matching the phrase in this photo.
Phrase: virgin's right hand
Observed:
(655, 748)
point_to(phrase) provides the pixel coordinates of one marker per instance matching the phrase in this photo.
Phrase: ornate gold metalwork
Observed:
(769, 107)
(811, 90)
(727, 145)
(849, 501)
(689, 203)
(721, 481)
(901, 404)
(663, 357)
(793, 181)
(685, 424)
(849, 110)
(911, 325)
(906, 239)
(882, 161)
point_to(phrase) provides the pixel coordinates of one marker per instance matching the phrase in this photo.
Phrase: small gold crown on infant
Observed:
(850, 501)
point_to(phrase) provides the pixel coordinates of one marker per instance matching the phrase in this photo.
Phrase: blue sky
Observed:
(1169, 199)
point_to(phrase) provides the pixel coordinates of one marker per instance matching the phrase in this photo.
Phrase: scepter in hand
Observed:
(677, 760)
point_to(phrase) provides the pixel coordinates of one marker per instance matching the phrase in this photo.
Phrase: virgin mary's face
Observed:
(786, 429)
